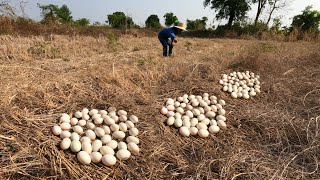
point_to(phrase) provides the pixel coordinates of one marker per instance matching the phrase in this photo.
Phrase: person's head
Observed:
(180, 27)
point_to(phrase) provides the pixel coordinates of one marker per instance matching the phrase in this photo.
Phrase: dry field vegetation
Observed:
(272, 136)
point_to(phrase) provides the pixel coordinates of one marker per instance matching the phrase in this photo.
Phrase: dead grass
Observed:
(273, 136)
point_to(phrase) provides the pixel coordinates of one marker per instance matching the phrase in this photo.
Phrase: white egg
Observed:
(170, 101)
(74, 121)
(78, 129)
(96, 157)
(221, 81)
(225, 88)
(85, 138)
(109, 121)
(123, 118)
(123, 127)
(93, 112)
(185, 100)
(133, 132)
(105, 139)
(90, 125)
(170, 114)
(170, 121)
(78, 114)
(65, 134)
(65, 143)
(114, 127)
(252, 93)
(214, 129)
(65, 115)
(164, 110)
(112, 113)
(185, 117)
(56, 130)
(196, 112)
(189, 114)
(239, 94)
(194, 122)
(213, 122)
(207, 109)
(201, 126)
(84, 157)
(177, 123)
(206, 121)
(118, 135)
(177, 115)
(122, 145)
(176, 104)
(133, 148)
(221, 124)
(112, 109)
(203, 133)
(185, 96)
(115, 118)
(65, 126)
(180, 110)
(122, 112)
(201, 110)
(201, 117)
(123, 154)
(222, 102)
(102, 112)
(186, 123)
(221, 117)
(65, 118)
(85, 117)
(82, 122)
(90, 134)
(222, 111)
(96, 116)
(132, 139)
(134, 118)
(214, 108)
(234, 95)
(170, 108)
(109, 160)
(246, 96)
(99, 131)
(75, 146)
(113, 144)
(129, 124)
(213, 102)
(184, 131)
(189, 107)
(74, 136)
(85, 111)
(193, 131)
(96, 145)
(106, 150)
(180, 99)
(211, 114)
(195, 103)
(183, 105)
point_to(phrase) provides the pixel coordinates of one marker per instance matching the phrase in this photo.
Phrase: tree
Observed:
(261, 6)
(153, 22)
(229, 9)
(276, 5)
(52, 13)
(170, 19)
(308, 20)
(120, 20)
(82, 22)
(198, 24)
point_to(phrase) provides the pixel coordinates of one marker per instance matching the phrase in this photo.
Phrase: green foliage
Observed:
(112, 38)
(309, 20)
(52, 13)
(120, 20)
(233, 10)
(170, 19)
(198, 24)
(153, 22)
(82, 22)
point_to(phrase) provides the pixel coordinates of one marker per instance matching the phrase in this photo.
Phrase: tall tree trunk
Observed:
(231, 19)
(258, 13)
(271, 12)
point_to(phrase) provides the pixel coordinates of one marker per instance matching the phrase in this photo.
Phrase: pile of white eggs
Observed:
(99, 135)
(195, 115)
(241, 84)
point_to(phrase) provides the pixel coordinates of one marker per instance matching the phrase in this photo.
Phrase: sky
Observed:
(139, 10)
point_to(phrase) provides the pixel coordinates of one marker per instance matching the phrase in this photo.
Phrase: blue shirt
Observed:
(167, 33)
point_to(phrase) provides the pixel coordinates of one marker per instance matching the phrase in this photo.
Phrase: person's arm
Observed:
(173, 38)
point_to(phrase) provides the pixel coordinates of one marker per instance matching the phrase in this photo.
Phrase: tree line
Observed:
(234, 11)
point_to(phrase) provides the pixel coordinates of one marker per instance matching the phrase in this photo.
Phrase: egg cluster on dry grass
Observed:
(195, 115)
(99, 135)
(241, 84)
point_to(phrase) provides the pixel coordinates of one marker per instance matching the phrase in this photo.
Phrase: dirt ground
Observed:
(272, 136)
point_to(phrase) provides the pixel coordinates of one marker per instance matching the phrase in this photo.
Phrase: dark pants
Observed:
(165, 43)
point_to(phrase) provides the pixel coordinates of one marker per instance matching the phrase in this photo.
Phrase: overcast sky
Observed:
(139, 10)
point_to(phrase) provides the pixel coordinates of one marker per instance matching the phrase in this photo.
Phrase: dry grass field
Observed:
(272, 136)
